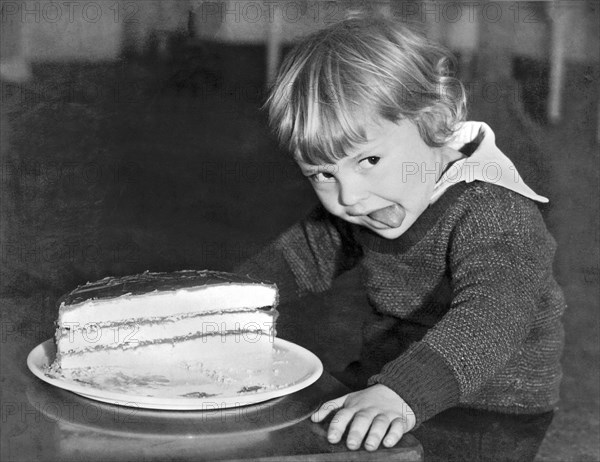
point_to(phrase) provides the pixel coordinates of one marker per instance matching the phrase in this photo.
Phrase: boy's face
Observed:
(385, 184)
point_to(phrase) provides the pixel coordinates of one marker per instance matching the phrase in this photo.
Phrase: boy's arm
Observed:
(305, 258)
(499, 256)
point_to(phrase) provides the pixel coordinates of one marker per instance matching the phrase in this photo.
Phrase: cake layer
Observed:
(153, 295)
(95, 335)
(214, 355)
(215, 325)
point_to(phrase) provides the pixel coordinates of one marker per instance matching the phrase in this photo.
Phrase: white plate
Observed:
(297, 368)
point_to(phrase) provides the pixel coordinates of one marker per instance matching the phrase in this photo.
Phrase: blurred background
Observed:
(132, 138)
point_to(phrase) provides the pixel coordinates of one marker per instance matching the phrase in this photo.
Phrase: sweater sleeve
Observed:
(498, 255)
(307, 257)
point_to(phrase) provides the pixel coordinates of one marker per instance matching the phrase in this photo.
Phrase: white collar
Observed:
(487, 163)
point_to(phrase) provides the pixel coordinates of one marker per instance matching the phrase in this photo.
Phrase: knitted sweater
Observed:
(467, 311)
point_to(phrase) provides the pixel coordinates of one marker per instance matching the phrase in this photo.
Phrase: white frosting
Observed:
(91, 335)
(216, 356)
(161, 304)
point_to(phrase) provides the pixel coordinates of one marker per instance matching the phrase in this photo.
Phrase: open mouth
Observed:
(391, 216)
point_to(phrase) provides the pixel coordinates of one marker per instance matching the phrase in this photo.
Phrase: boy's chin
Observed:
(389, 233)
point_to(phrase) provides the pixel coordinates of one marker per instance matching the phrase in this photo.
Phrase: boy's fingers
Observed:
(378, 429)
(338, 425)
(359, 428)
(327, 408)
(394, 433)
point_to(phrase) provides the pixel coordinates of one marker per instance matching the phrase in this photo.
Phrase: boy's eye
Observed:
(322, 177)
(369, 162)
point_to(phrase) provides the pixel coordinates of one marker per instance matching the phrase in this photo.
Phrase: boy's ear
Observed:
(437, 110)
(433, 121)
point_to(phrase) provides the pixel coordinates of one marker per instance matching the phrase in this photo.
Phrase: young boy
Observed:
(454, 255)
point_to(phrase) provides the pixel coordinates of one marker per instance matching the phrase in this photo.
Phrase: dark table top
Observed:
(43, 422)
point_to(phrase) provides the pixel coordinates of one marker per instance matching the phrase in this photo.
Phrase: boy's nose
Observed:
(352, 192)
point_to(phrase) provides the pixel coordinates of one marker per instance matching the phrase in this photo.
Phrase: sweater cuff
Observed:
(422, 378)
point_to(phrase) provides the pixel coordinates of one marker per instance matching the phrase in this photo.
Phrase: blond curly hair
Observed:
(338, 79)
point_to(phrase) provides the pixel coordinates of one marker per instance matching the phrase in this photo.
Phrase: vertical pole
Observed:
(14, 66)
(274, 43)
(557, 60)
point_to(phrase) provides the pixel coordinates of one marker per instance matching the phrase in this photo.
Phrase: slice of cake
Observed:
(169, 325)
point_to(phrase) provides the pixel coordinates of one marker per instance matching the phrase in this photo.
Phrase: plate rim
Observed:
(39, 353)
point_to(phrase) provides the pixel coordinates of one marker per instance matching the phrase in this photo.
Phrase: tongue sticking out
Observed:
(391, 216)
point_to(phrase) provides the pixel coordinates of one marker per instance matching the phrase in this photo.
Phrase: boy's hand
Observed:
(377, 411)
